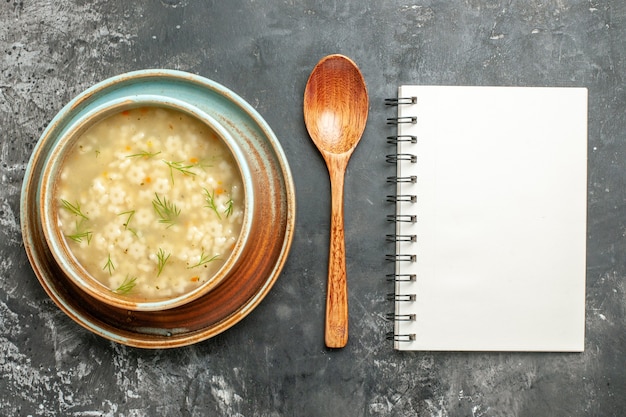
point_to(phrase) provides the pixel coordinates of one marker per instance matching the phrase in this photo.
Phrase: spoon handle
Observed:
(336, 329)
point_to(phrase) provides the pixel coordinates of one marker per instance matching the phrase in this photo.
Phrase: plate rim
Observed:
(211, 90)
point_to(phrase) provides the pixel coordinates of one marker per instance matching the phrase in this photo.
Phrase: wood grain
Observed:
(335, 113)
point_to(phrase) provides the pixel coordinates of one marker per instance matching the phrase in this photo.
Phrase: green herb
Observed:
(128, 284)
(180, 167)
(202, 164)
(74, 209)
(80, 236)
(229, 208)
(204, 259)
(130, 215)
(210, 202)
(166, 210)
(143, 154)
(109, 265)
(80, 233)
(162, 259)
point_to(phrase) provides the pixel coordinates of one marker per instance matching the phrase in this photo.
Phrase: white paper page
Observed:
(501, 219)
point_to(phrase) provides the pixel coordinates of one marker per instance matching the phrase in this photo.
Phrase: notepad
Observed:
(490, 211)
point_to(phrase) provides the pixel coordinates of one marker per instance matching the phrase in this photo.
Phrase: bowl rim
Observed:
(62, 253)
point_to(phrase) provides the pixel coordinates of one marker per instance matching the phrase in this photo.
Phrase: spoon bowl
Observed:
(335, 113)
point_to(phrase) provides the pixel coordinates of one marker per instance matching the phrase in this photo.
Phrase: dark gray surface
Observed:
(273, 363)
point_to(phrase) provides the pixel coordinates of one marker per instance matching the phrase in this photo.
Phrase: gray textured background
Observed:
(273, 363)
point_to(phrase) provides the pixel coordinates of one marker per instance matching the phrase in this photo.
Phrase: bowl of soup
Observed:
(157, 208)
(145, 203)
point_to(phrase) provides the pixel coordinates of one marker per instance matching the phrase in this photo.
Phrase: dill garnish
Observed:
(204, 259)
(209, 197)
(180, 167)
(130, 214)
(74, 209)
(210, 202)
(126, 286)
(202, 164)
(143, 154)
(162, 259)
(109, 265)
(229, 208)
(79, 236)
(166, 210)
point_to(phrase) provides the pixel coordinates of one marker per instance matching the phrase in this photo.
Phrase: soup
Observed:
(151, 202)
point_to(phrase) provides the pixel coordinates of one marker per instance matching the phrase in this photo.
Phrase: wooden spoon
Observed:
(335, 113)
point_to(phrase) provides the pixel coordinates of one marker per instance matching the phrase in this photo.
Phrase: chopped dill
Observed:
(229, 208)
(80, 236)
(129, 214)
(209, 197)
(166, 210)
(73, 208)
(180, 167)
(202, 164)
(143, 154)
(126, 286)
(161, 259)
(204, 259)
(210, 202)
(109, 265)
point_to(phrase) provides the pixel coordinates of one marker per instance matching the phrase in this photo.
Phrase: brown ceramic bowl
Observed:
(246, 276)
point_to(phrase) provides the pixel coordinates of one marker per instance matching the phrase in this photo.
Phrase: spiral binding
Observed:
(396, 180)
(394, 158)
(402, 218)
(400, 337)
(399, 198)
(401, 297)
(401, 257)
(395, 139)
(401, 238)
(401, 277)
(401, 317)
(400, 100)
(403, 119)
